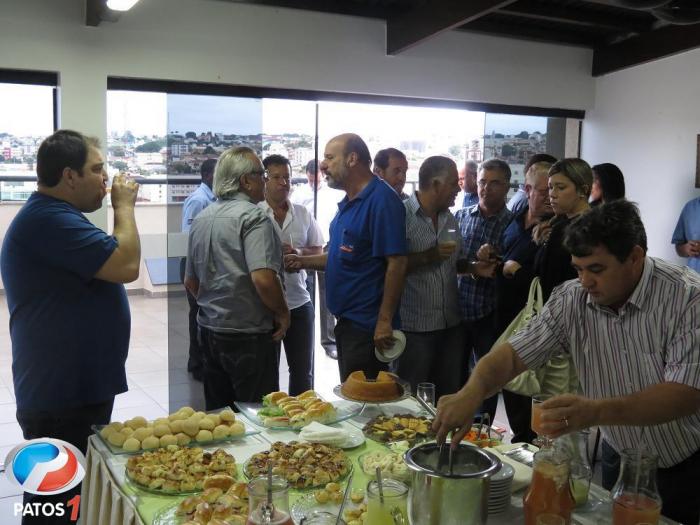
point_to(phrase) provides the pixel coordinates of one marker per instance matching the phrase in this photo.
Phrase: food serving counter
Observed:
(109, 498)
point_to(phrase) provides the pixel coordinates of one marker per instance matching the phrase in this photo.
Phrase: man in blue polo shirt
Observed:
(366, 261)
(69, 315)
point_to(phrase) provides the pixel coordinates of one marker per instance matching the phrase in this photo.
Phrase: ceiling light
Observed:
(121, 5)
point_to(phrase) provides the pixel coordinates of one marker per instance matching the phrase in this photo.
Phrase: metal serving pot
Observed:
(441, 495)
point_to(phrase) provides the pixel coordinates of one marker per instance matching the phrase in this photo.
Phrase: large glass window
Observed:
(26, 118)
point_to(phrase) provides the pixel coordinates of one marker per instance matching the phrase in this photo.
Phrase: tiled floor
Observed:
(156, 373)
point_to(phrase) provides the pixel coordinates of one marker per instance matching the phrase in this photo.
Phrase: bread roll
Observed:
(161, 429)
(190, 426)
(206, 423)
(117, 439)
(131, 445)
(183, 439)
(220, 481)
(142, 433)
(168, 439)
(204, 435)
(221, 432)
(137, 422)
(150, 442)
(227, 415)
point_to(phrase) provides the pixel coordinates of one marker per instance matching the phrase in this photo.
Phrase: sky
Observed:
(26, 110)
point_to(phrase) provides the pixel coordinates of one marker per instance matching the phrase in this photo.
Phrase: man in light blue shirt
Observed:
(195, 203)
(686, 236)
(201, 197)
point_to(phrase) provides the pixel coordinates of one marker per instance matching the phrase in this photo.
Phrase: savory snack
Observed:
(391, 464)
(383, 388)
(178, 469)
(484, 437)
(228, 506)
(282, 410)
(403, 427)
(179, 428)
(303, 465)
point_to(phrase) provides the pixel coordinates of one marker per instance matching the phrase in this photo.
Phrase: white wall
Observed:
(646, 120)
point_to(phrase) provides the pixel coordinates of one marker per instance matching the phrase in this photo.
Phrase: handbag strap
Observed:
(534, 298)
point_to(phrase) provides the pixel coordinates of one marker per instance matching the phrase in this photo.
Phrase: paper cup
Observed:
(395, 351)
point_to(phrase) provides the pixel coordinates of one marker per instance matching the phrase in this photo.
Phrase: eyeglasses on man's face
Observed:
(261, 173)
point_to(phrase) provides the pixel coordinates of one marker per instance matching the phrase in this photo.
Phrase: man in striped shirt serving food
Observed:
(632, 326)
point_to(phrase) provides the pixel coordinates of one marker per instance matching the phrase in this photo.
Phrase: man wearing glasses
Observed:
(300, 235)
(482, 223)
(234, 269)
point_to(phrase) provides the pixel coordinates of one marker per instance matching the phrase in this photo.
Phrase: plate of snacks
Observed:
(186, 427)
(391, 464)
(303, 465)
(402, 427)
(484, 437)
(385, 388)
(176, 470)
(328, 499)
(279, 410)
(217, 502)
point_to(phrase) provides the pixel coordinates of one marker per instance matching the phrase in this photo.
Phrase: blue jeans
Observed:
(678, 485)
(299, 349)
(71, 425)
(239, 367)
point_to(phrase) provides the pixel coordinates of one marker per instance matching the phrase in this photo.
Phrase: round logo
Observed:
(45, 466)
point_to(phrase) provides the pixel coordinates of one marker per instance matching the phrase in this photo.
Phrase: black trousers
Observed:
(195, 360)
(326, 319)
(678, 485)
(434, 357)
(356, 350)
(480, 334)
(519, 410)
(71, 425)
(299, 349)
(239, 367)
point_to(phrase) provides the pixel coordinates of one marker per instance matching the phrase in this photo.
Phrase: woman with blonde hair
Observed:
(570, 182)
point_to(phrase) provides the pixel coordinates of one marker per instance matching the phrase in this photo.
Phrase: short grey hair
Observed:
(497, 165)
(538, 169)
(231, 166)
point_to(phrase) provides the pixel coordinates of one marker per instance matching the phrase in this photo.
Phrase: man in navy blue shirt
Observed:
(366, 261)
(69, 315)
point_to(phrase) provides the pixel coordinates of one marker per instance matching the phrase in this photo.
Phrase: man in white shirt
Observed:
(299, 234)
(327, 200)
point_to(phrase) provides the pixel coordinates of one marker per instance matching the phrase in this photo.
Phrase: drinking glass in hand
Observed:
(426, 391)
(542, 441)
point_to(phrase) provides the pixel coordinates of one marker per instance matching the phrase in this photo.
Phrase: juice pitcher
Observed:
(635, 496)
(550, 489)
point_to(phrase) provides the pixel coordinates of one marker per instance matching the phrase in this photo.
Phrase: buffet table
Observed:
(108, 498)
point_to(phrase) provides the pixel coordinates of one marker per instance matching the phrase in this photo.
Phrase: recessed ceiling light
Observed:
(121, 5)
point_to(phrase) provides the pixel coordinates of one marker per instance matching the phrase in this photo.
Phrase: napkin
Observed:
(316, 432)
(523, 473)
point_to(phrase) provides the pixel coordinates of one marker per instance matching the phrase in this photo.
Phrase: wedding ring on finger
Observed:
(566, 422)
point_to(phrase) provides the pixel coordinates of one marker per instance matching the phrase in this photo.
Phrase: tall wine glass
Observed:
(542, 441)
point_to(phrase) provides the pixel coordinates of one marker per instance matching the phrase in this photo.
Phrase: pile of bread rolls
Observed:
(298, 410)
(180, 428)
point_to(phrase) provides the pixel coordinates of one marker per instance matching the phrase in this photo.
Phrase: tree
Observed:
(507, 150)
(181, 167)
(120, 165)
(118, 152)
(190, 135)
(153, 146)
(523, 135)
(209, 151)
(455, 150)
(128, 137)
(499, 136)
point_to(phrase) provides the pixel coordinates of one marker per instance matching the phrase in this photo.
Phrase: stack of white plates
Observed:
(499, 489)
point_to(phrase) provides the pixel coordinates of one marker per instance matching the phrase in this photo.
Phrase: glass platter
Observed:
(159, 492)
(168, 516)
(343, 409)
(120, 451)
(319, 486)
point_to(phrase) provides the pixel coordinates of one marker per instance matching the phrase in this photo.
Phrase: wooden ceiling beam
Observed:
(576, 17)
(426, 21)
(496, 27)
(94, 9)
(660, 43)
